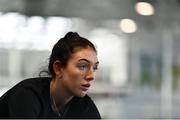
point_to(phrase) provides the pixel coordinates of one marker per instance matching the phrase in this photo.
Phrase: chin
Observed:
(82, 94)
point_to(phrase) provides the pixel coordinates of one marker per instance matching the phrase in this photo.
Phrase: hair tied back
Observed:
(71, 36)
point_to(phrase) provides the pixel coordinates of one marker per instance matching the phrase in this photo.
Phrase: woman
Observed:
(72, 67)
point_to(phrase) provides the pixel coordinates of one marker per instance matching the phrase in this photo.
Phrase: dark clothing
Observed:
(31, 99)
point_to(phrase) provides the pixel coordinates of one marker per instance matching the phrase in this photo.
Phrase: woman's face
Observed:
(79, 73)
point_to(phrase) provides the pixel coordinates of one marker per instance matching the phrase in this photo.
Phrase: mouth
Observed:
(85, 87)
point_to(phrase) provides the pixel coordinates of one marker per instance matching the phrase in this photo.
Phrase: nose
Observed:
(90, 75)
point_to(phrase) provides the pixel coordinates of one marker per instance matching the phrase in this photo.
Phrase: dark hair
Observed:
(64, 48)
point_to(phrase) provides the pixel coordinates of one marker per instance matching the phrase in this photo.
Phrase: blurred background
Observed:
(137, 41)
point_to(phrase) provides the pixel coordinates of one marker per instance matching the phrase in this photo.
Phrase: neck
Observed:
(61, 98)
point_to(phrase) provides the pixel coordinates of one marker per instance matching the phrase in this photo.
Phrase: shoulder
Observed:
(37, 83)
(24, 100)
(91, 110)
(34, 85)
(26, 96)
(87, 100)
(37, 80)
(84, 100)
(84, 108)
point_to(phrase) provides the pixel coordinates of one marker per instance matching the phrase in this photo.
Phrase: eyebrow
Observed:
(88, 61)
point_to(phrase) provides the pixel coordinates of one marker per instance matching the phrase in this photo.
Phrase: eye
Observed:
(83, 67)
(95, 68)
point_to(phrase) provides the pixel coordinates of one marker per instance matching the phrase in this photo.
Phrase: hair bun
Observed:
(70, 36)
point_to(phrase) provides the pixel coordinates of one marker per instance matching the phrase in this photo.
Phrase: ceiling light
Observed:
(144, 8)
(128, 25)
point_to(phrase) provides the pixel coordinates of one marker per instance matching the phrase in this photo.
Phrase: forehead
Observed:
(85, 53)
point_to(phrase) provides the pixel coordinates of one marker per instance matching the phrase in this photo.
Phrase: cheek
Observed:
(76, 73)
(73, 77)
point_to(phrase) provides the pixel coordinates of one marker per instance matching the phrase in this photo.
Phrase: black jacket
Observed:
(30, 99)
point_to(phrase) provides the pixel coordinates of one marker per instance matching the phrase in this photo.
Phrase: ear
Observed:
(57, 67)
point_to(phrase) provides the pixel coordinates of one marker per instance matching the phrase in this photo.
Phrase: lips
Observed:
(85, 87)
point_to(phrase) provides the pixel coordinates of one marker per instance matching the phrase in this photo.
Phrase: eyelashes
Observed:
(83, 67)
(95, 68)
(86, 67)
